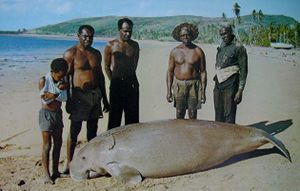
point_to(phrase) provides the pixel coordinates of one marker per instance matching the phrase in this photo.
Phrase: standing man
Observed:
(231, 74)
(121, 59)
(87, 88)
(187, 63)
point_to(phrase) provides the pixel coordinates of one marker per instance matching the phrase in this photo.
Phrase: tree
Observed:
(254, 15)
(253, 29)
(224, 17)
(237, 9)
(260, 15)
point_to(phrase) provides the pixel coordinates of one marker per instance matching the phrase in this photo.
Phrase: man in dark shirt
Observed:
(231, 75)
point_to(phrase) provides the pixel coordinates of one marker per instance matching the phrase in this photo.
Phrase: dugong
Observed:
(166, 148)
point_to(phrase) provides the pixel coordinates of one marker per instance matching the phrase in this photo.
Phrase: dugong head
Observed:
(90, 160)
(80, 164)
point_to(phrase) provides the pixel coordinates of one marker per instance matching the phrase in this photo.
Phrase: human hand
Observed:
(106, 107)
(69, 105)
(62, 85)
(48, 96)
(203, 97)
(238, 96)
(169, 97)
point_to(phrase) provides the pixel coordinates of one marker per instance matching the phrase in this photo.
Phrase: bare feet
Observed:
(60, 175)
(47, 180)
(65, 173)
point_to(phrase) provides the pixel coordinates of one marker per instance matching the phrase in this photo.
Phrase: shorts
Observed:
(187, 94)
(50, 120)
(85, 104)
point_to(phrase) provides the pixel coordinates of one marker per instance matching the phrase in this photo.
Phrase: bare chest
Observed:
(86, 61)
(124, 50)
(189, 57)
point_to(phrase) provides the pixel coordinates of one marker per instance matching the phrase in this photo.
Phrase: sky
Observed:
(29, 14)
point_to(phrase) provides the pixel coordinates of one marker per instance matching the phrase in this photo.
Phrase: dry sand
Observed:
(271, 99)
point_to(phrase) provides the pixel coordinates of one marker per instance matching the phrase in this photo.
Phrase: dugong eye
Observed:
(83, 158)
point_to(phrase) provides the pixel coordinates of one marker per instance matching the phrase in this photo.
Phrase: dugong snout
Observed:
(78, 173)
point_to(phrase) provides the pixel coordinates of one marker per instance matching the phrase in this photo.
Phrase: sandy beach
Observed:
(271, 100)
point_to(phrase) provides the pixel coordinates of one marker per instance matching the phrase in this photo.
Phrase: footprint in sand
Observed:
(7, 146)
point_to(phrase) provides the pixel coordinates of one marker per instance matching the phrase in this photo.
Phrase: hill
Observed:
(160, 28)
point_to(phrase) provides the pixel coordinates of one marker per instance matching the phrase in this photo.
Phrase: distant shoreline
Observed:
(74, 37)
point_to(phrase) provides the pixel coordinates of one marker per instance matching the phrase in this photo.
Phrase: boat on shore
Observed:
(281, 45)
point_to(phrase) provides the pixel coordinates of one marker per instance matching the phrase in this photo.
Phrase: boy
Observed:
(52, 93)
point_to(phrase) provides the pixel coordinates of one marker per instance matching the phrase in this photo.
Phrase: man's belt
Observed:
(224, 73)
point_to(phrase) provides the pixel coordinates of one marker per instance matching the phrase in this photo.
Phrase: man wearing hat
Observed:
(186, 75)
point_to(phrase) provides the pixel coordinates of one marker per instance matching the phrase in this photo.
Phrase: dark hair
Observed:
(89, 27)
(124, 20)
(59, 64)
(227, 27)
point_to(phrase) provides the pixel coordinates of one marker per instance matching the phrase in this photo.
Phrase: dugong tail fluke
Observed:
(277, 143)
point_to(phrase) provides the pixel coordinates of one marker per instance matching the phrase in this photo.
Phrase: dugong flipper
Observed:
(166, 148)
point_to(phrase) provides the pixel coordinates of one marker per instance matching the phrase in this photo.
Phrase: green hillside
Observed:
(160, 28)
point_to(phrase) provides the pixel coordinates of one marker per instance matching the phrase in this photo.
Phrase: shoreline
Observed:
(71, 37)
(106, 39)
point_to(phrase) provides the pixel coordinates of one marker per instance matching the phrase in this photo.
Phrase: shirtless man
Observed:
(87, 88)
(121, 59)
(187, 63)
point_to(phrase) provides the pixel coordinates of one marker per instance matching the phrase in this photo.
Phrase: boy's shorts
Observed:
(50, 120)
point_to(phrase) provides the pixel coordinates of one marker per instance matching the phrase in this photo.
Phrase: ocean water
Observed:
(31, 50)
(24, 59)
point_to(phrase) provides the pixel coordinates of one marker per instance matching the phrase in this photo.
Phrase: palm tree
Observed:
(254, 15)
(260, 15)
(253, 28)
(224, 17)
(237, 9)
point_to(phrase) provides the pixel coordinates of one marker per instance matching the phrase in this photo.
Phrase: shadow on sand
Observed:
(272, 129)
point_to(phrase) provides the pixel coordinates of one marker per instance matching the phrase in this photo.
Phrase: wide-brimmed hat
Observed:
(193, 29)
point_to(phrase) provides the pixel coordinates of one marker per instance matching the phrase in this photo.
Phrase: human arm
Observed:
(136, 55)
(203, 77)
(46, 96)
(243, 64)
(107, 61)
(170, 76)
(63, 87)
(106, 107)
(69, 57)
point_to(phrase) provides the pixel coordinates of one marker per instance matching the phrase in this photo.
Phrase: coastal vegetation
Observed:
(252, 29)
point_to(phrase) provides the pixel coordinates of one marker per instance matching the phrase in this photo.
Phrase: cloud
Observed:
(143, 4)
(13, 5)
(63, 7)
(43, 6)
